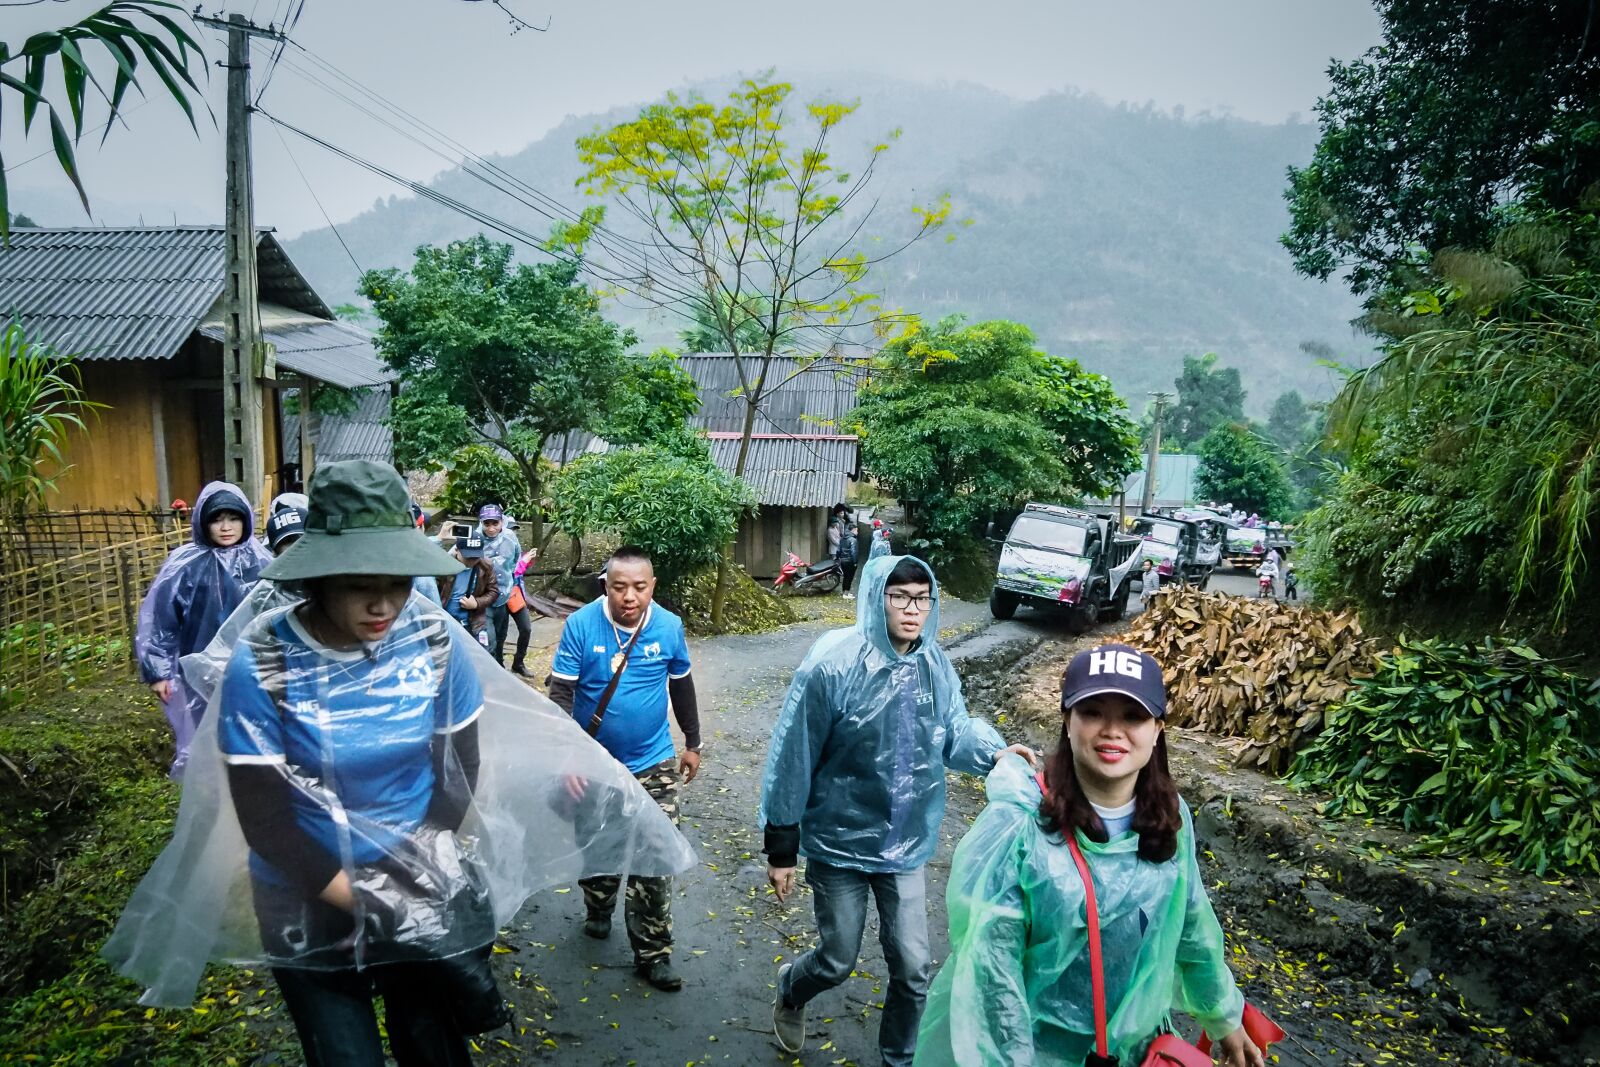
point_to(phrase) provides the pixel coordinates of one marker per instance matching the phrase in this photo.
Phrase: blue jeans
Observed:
(338, 1026)
(840, 900)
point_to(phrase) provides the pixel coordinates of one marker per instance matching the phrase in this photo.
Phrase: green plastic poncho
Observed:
(1016, 988)
(859, 752)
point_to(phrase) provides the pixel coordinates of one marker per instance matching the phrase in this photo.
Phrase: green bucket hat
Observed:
(360, 523)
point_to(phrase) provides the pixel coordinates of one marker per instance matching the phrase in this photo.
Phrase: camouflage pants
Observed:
(648, 905)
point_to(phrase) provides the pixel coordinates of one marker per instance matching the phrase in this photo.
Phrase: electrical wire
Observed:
(478, 215)
(286, 151)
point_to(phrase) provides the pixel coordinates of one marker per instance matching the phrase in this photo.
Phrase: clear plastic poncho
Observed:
(1016, 988)
(859, 752)
(197, 587)
(361, 762)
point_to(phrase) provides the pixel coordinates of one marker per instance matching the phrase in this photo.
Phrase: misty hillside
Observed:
(1126, 237)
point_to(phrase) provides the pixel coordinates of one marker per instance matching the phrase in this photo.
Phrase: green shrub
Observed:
(680, 509)
(1479, 748)
(481, 474)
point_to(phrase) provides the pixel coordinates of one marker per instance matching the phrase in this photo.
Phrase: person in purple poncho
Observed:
(196, 589)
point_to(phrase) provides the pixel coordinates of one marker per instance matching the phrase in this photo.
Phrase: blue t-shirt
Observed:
(635, 728)
(376, 710)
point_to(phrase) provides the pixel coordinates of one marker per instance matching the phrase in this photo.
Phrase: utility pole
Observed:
(1149, 501)
(246, 358)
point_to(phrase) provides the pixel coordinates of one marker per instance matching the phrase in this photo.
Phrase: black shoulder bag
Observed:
(611, 687)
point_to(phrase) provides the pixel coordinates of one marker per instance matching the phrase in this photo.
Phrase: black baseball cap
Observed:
(470, 547)
(283, 526)
(1115, 668)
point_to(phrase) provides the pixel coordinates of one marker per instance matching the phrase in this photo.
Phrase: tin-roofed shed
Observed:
(137, 308)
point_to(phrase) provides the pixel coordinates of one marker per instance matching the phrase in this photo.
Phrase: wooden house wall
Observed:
(113, 465)
(762, 542)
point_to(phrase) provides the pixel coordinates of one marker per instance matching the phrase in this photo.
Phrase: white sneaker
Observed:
(849, 596)
(789, 1024)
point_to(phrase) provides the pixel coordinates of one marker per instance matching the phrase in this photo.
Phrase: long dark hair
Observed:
(1156, 818)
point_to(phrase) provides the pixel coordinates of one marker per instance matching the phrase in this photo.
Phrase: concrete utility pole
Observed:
(246, 358)
(1149, 501)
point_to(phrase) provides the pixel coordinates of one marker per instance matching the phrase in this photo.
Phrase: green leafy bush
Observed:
(481, 474)
(1478, 748)
(679, 508)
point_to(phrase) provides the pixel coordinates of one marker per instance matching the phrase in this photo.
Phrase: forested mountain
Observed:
(1125, 236)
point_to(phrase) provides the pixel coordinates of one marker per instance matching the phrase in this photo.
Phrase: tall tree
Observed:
(1289, 420)
(1464, 105)
(126, 32)
(1238, 467)
(966, 421)
(492, 352)
(751, 226)
(1208, 396)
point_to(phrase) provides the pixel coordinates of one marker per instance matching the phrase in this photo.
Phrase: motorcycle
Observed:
(1264, 586)
(798, 576)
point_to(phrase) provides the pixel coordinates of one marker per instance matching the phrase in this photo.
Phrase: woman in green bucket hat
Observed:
(370, 785)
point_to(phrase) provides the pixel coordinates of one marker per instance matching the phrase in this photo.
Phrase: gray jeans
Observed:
(840, 900)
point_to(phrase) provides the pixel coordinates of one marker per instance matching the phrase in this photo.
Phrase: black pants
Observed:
(338, 1026)
(849, 569)
(501, 619)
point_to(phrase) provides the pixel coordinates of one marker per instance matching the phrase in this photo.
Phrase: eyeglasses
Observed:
(902, 601)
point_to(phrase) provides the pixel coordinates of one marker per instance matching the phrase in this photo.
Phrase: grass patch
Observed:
(88, 809)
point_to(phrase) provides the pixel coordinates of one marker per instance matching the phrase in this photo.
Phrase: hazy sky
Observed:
(455, 64)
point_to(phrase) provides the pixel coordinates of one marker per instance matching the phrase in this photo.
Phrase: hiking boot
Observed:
(521, 668)
(598, 927)
(660, 974)
(789, 1024)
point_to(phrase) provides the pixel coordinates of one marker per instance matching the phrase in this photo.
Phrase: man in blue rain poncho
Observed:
(855, 780)
(196, 589)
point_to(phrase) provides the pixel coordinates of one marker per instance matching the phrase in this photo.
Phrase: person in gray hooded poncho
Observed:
(855, 780)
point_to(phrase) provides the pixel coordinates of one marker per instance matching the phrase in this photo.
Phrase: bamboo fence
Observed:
(75, 614)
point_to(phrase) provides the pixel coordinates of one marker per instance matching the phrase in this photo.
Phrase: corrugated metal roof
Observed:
(792, 472)
(131, 292)
(807, 396)
(358, 435)
(333, 352)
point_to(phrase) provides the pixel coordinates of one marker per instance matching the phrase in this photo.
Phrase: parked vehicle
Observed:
(1246, 547)
(798, 576)
(1065, 560)
(1186, 550)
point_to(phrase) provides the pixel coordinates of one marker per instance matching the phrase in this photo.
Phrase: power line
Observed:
(478, 215)
(463, 150)
(283, 141)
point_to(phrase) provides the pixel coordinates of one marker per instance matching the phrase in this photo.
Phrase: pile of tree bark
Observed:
(1258, 671)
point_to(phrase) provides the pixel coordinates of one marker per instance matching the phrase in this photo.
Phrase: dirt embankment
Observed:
(1367, 951)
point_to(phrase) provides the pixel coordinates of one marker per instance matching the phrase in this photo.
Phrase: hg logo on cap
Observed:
(1111, 661)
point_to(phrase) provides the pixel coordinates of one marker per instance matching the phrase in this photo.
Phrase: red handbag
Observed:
(1168, 1050)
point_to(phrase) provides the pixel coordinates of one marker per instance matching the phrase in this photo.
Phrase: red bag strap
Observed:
(1096, 970)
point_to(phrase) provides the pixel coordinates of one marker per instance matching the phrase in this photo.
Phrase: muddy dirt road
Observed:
(579, 1002)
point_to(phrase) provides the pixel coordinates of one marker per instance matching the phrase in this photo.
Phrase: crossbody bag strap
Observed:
(611, 687)
(1096, 968)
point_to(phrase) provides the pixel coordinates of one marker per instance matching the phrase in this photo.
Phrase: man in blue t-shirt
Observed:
(634, 650)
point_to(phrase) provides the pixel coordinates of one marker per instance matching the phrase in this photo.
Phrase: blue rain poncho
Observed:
(441, 849)
(1016, 989)
(196, 589)
(859, 752)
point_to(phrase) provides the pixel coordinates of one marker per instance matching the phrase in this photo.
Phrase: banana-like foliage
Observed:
(1497, 398)
(128, 32)
(41, 403)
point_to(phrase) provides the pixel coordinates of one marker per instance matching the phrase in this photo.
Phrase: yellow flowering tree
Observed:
(751, 228)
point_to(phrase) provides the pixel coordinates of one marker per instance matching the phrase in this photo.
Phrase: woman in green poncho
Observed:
(1016, 989)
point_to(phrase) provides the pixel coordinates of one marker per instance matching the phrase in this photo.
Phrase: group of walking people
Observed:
(363, 778)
